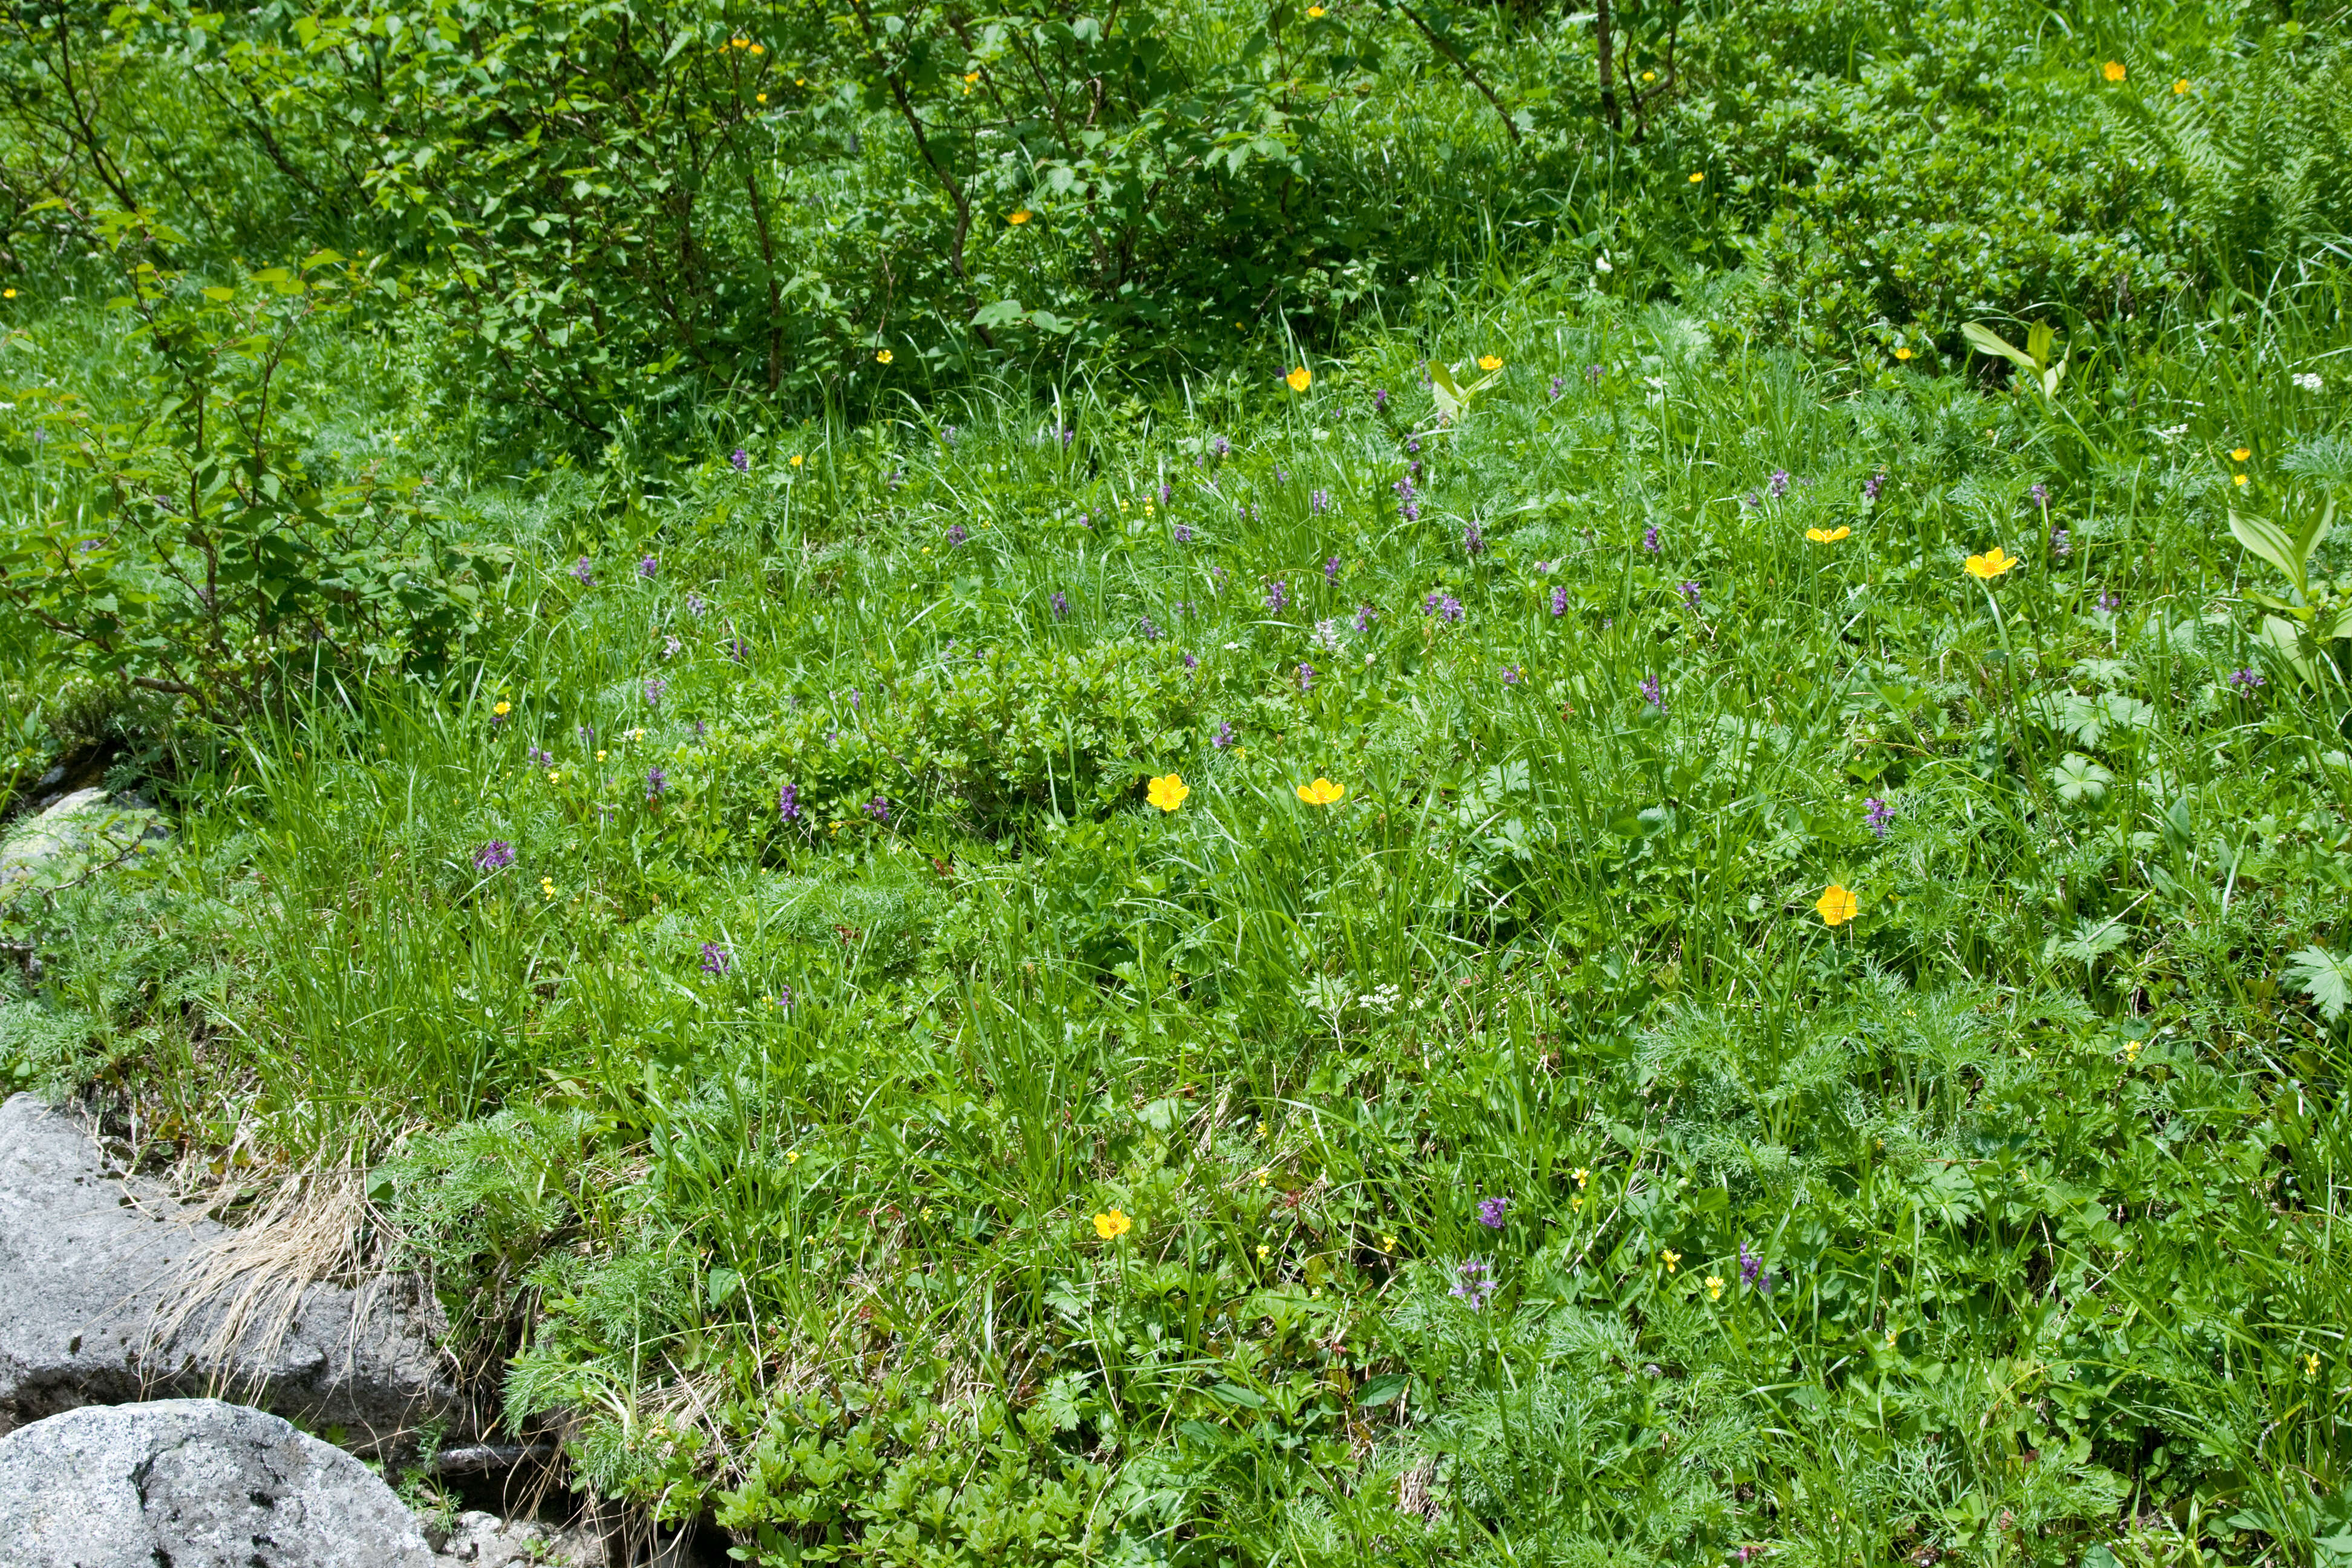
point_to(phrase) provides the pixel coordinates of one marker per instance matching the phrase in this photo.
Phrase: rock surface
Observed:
(485, 1540)
(194, 1483)
(94, 1273)
(86, 831)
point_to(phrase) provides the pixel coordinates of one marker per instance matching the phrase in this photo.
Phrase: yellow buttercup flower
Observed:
(1300, 379)
(2240, 454)
(501, 709)
(1488, 362)
(883, 357)
(1322, 792)
(2239, 480)
(1168, 791)
(1902, 353)
(1112, 1225)
(554, 777)
(2180, 85)
(1991, 564)
(1019, 217)
(2112, 70)
(1714, 1286)
(1836, 905)
(970, 77)
(1314, 11)
(1826, 535)
(1696, 178)
(760, 96)
(1649, 76)
(796, 459)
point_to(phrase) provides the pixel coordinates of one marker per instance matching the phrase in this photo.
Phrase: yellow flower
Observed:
(1300, 379)
(759, 48)
(738, 43)
(883, 357)
(2112, 70)
(2239, 479)
(2311, 1364)
(1671, 1258)
(1388, 1244)
(1991, 564)
(1260, 1250)
(1714, 1286)
(1580, 1173)
(970, 77)
(1314, 11)
(501, 709)
(793, 1158)
(1019, 217)
(796, 459)
(760, 97)
(554, 777)
(2180, 85)
(1836, 905)
(1168, 791)
(1112, 1225)
(600, 756)
(11, 294)
(1826, 535)
(1902, 353)
(2240, 454)
(1696, 178)
(1649, 76)
(1322, 792)
(1488, 362)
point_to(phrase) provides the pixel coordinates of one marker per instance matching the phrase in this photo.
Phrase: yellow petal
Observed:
(1300, 379)
(1836, 905)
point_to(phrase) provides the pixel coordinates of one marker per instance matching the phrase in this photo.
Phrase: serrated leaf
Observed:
(2325, 978)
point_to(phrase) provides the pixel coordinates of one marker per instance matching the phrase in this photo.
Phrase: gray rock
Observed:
(485, 1540)
(83, 833)
(95, 1272)
(194, 1483)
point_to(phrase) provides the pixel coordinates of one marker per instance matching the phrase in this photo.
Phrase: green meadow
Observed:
(1226, 785)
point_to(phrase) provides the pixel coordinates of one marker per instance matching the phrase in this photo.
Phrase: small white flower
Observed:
(2171, 434)
(2310, 381)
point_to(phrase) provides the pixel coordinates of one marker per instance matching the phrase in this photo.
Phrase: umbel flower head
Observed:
(1322, 792)
(1168, 791)
(1991, 564)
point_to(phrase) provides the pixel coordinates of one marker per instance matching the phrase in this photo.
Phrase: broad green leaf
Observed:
(2270, 541)
(2286, 636)
(2325, 978)
(1987, 342)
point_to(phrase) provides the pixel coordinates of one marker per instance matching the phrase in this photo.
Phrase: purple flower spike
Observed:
(1331, 570)
(1061, 604)
(742, 460)
(585, 572)
(1780, 484)
(788, 801)
(956, 534)
(716, 959)
(540, 759)
(1474, 542)
(1224, 735)
(649, 567)
(2110, 602)
(1750, 1265)
(1379, 400)
(2244, 681)
(1510, 675)
(1689, 591)
(1653, 693)
(1278, 593)
(696, 604)
(1878, 816)
(1363, 621)
(1183, 533)
(1559, 385)
(656, 782)
(494, 856)
(1474, 1284)
(1491, 1212)
(1560, 601)
(878, 808)
(2040, 495)
(1305, 678)
(656, 689)
(1650, 538)
(2062, 544)
(1191, 663)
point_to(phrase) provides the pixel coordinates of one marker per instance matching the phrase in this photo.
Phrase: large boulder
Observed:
(194, 1483)
(95, 1273)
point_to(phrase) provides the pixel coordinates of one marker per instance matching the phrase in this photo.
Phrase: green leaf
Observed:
(2079, 779)
(1985, 341)
(2325, 978)
(2270, 541)
(1381, 1390)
